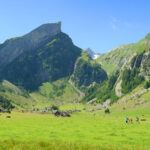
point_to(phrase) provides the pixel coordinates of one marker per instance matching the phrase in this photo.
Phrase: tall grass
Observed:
(56, 145)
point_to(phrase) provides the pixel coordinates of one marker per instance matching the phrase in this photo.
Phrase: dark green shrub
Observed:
(107, 111)
(5, 103)
(147, 84)
(54, 107)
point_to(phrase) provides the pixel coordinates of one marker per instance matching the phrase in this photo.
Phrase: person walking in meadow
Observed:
(137, 119)
(130, 120)
(127, 120)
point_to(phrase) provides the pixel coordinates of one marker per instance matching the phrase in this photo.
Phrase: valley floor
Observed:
(83, 130)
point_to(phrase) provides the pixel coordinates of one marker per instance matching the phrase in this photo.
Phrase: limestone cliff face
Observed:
(12, 48)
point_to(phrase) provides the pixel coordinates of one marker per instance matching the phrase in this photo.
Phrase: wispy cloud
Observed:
(128, 24)
(113, 22)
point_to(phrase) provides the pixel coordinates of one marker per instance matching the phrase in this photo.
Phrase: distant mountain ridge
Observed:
(92, 53)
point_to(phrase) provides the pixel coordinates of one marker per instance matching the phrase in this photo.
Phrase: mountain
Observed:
(14, 47)
(45, 55)
(92, 53)
(45, 67)
(127, 67)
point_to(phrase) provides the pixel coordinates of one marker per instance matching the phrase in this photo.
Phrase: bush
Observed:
(107, 111)
(147, 84)
(54, 107)
(5, 103)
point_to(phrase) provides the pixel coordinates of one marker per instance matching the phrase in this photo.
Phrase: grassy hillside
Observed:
(60, 90)
(19, 98)
(133, 104)
(115, 58)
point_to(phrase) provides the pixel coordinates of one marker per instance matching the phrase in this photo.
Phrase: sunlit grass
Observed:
(84, 130)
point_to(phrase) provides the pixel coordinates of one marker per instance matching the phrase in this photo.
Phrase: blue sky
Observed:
(98, 24)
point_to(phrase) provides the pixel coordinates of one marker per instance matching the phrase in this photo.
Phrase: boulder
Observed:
(61, 114)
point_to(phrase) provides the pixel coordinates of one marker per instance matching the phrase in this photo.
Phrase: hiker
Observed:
(127, 120)
(131, 121)
(137, 119)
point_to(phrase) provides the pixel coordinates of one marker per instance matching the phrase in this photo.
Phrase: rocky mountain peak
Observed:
(44, 30)
(89, 51)
(14, 47)
(92, 53)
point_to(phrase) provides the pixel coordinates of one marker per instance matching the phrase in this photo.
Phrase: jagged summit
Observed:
(90, 52)
(47, 29)
(14, 47)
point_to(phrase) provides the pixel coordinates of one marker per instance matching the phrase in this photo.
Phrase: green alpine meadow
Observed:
(56, 93)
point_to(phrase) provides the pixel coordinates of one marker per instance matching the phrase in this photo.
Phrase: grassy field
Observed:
(84, 130)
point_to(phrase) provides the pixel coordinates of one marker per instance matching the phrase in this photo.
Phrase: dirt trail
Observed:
(81, 93)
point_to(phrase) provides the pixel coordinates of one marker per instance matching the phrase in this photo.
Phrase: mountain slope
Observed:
(60, 91)
(18, 98)
(87, 71)
(116, 58)
(14, 47)
(132, 63)
(49, 61)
